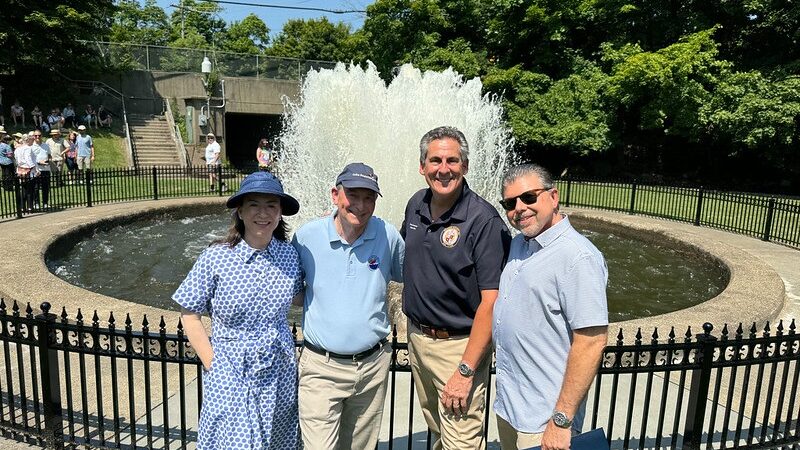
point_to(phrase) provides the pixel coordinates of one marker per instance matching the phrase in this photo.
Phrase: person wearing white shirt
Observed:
(213, 161)
(26, 170)
(42, 182)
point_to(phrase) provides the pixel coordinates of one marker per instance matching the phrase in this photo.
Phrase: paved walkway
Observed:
(761, 273)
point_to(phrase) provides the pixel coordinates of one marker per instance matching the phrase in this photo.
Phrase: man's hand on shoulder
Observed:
(455, 395)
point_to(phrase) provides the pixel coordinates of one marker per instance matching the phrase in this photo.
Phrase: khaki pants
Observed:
(84, 162)
(433, 362)
(511, 439)
(341, 401)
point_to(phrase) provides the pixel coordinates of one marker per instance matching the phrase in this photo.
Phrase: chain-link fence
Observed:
(173, 59)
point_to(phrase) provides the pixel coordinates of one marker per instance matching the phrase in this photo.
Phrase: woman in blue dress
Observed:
(246, 282)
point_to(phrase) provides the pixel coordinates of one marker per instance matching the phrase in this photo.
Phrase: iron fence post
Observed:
(51, 384)
(768, 223)
(88, 180)
(698, 392)
(220, 183)
(147, 56)
(18, 196)
(633, 198)
(155, 183)
(699, 209)
(569, 190)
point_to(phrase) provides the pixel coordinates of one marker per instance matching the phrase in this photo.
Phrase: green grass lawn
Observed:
(109, 148)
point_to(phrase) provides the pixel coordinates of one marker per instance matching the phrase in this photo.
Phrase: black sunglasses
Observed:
(529, 198)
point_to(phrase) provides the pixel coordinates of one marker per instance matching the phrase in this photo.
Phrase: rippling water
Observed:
(646, 278)
(145, 261)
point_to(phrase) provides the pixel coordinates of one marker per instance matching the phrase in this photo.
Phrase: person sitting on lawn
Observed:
(69, 116)
(89, 116)
(103, 117)
(55, 120)
(36, 114)
(18, 112)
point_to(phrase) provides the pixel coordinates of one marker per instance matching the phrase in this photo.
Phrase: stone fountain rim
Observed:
(750, 277)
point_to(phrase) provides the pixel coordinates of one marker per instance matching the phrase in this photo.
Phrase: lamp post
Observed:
(205, 69)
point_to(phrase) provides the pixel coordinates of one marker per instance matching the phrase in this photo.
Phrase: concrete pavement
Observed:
(765, 284)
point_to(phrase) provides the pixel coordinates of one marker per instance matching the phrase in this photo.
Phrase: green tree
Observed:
(251, 35)
(660, 93)
(748, 112)
(37, 34)
(541, 35)
(457, 55)
(134, 23)
(567, 114)
(427, 33)
(314, 39)
(181, 60)
(199, 16)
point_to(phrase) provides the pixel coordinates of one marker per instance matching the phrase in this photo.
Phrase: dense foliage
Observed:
(47, 33)
(695, 90)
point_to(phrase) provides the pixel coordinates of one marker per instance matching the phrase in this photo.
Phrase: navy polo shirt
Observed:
(449, 261)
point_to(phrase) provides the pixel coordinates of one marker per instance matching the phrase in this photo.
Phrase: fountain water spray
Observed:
(349, 114)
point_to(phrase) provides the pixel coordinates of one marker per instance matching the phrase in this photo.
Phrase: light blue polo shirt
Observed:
(345, 308)
(552, 284)
(85, 145)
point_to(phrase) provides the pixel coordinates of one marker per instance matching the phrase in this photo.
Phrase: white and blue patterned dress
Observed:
(250, 393)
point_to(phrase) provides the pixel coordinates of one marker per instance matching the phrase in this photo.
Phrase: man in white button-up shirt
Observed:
(550, 318)
(26, 170)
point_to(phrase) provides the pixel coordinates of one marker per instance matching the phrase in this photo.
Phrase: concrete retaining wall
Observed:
(145, 91)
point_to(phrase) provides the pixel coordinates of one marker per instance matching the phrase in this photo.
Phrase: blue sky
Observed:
(275, 17)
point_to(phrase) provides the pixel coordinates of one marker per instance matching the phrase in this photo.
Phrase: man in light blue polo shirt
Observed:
(347, 259)
(550, 318)
(85, 146)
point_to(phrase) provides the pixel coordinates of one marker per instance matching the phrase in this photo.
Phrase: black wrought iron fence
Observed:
(768, 218)
(775, 219)
(114, 185)
(76, 382)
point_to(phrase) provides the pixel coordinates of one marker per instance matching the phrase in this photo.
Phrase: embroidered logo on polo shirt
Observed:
(450, 236)
(373, 262)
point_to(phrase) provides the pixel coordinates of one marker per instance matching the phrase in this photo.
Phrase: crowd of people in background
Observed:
(38, 158)
(38, 163)
(58, 118)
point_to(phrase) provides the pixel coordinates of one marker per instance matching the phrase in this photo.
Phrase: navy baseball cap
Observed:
(264, 183)
(358, 175)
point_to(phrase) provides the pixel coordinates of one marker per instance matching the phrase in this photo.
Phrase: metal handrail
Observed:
(183, 155)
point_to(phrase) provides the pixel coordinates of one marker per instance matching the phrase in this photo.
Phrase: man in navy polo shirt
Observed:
(457, 244)
(348, 259)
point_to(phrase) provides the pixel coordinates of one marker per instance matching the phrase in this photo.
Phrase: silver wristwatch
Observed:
(561, 420)
(465, 370)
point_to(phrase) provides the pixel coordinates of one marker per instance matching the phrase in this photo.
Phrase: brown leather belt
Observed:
(438, 332)
(355, 357)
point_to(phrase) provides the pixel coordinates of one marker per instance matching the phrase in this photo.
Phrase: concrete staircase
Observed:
(152, 141)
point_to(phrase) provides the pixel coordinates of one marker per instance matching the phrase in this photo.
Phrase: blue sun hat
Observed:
(264, 183)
